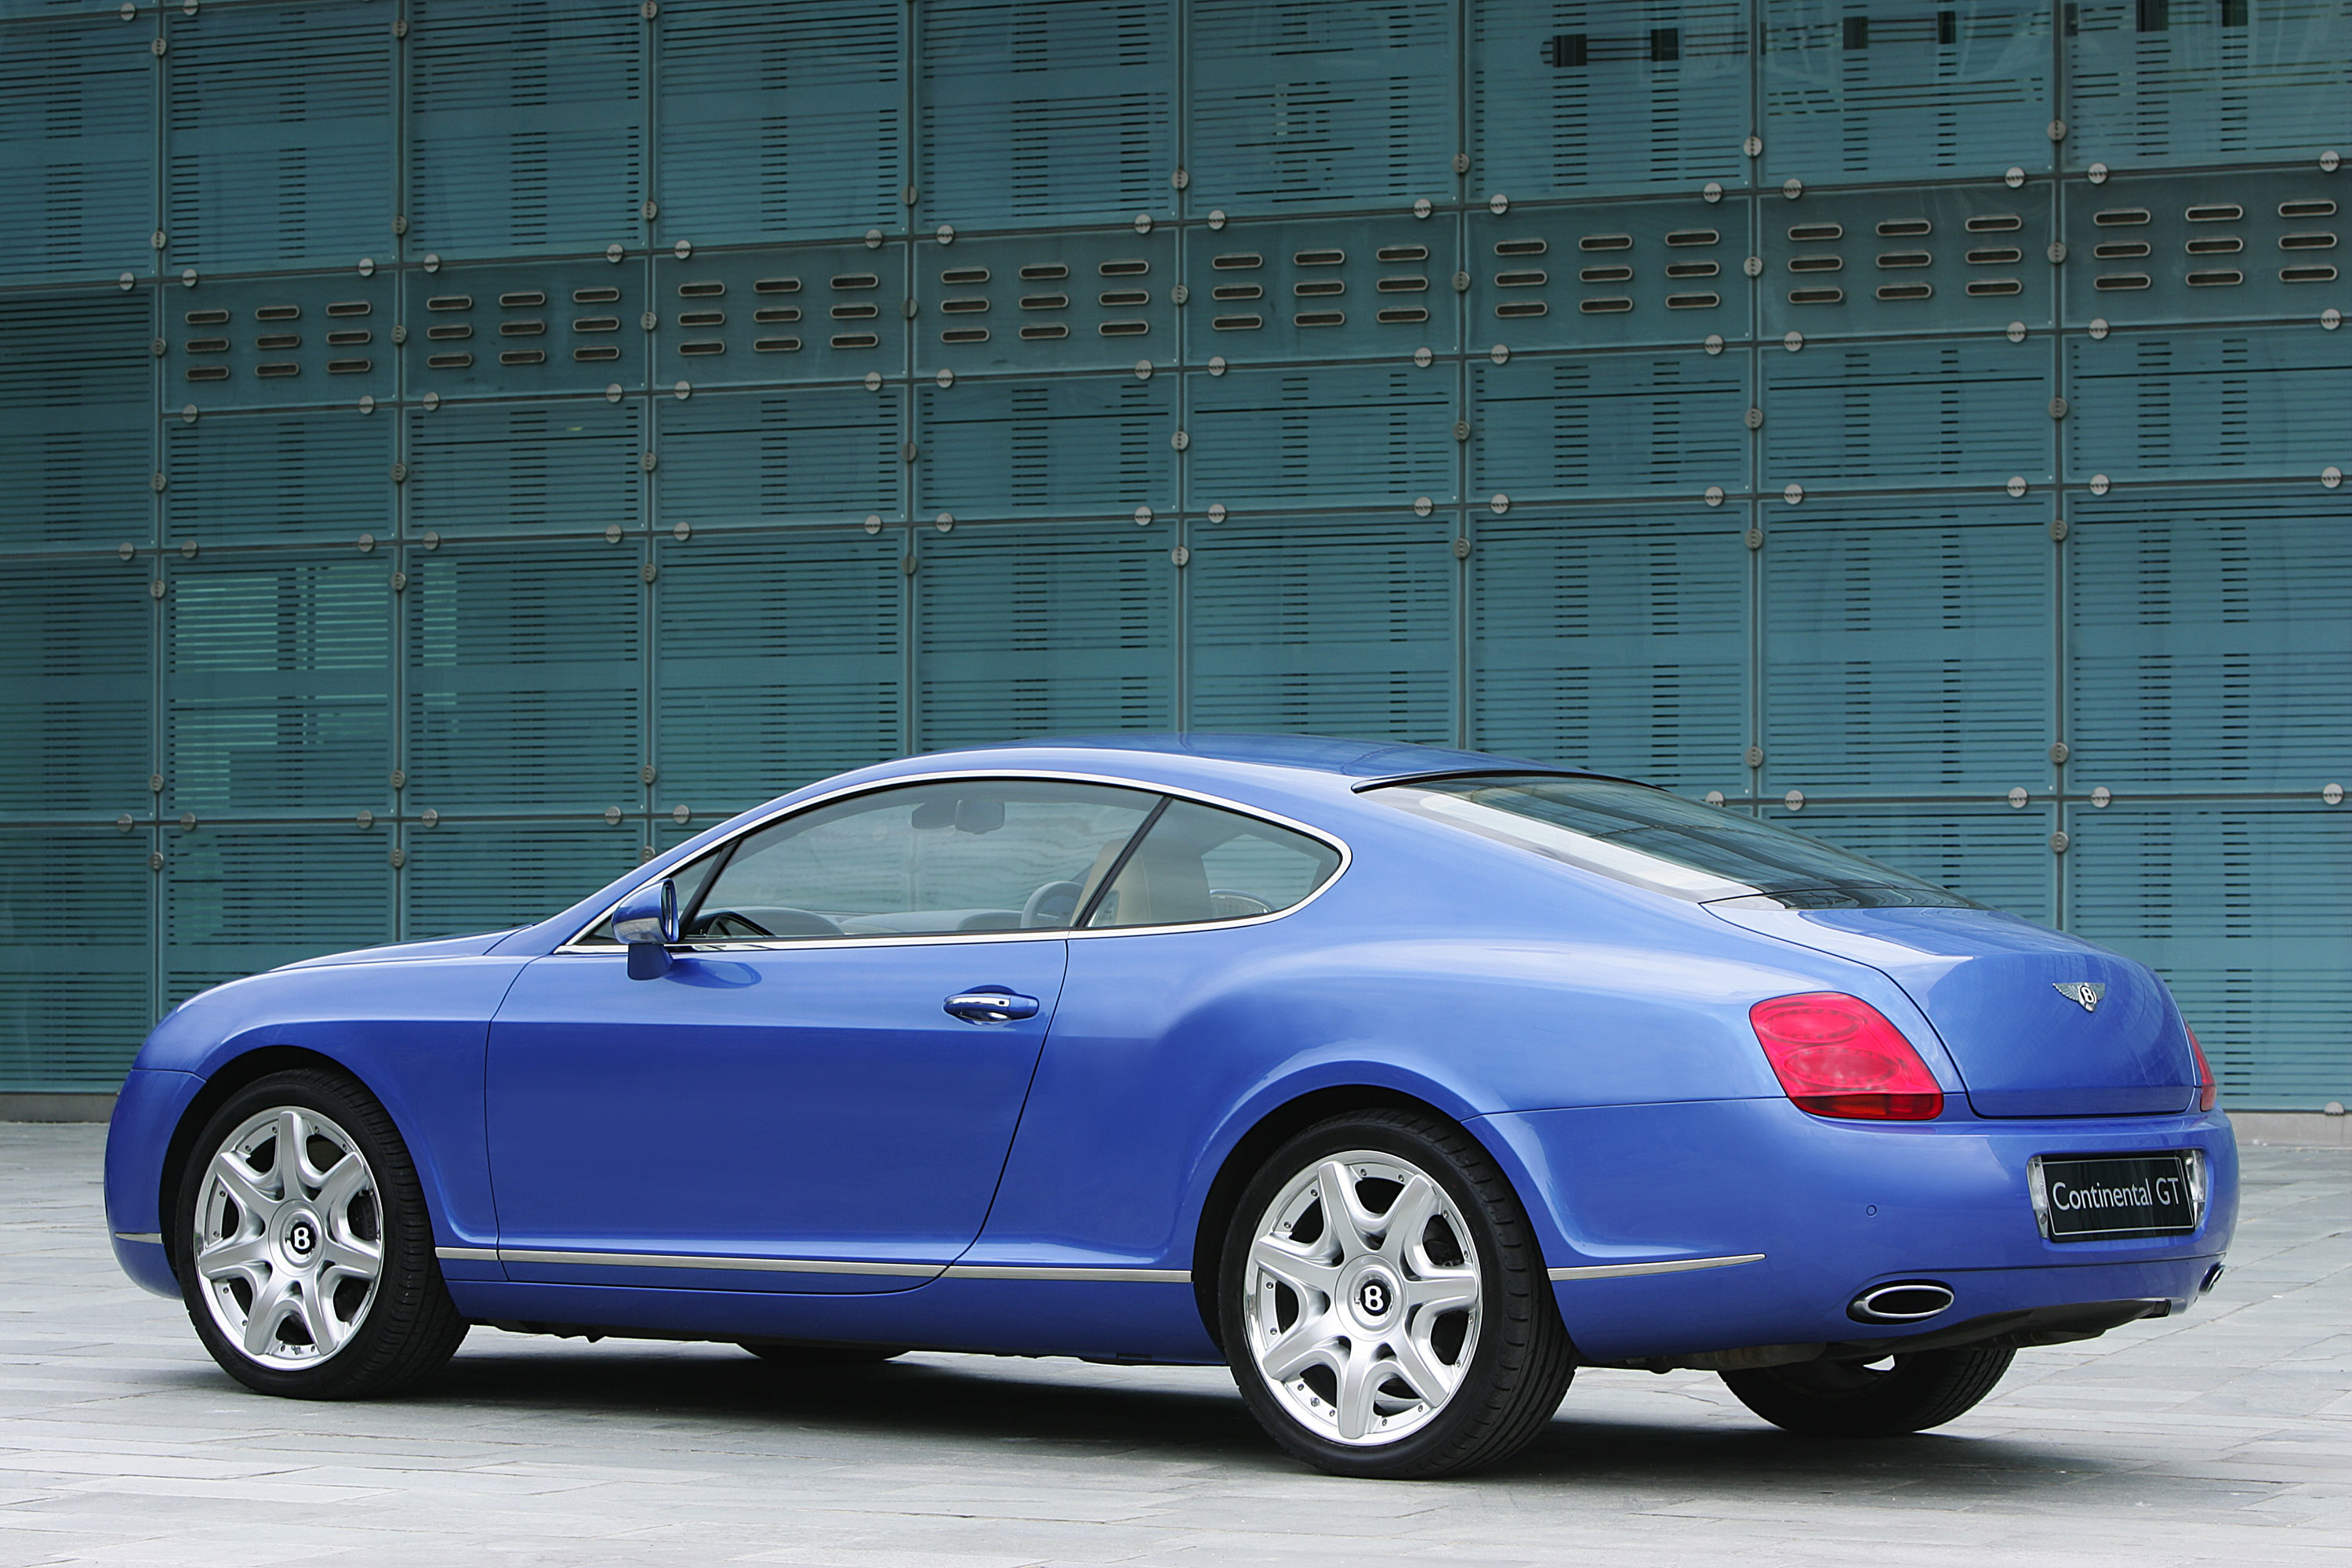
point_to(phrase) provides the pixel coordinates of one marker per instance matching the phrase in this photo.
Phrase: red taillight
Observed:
(1838, 1055)
(2208, 1092)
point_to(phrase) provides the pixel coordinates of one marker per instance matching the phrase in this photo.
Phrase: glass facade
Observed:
(453, 445)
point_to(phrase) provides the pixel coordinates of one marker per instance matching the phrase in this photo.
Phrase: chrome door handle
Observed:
(991, 1005)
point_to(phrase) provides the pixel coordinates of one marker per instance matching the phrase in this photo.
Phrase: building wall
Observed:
(450, 446)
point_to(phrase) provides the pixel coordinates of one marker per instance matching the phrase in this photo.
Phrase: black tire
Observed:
(406, 1329)
(821, 1358)
(1850, 1399)
(1512, 1376)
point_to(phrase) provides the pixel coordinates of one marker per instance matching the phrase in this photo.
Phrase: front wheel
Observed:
(1871, 1399)
(304, 1251)
(1384, 1304)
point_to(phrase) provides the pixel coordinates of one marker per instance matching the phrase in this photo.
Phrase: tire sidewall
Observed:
(1502, 1329)
(399, 1204)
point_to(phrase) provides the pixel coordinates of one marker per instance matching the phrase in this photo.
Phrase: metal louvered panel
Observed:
(2149, 250)
(1047, 302)
(1343, 628)
(74, 663)
(482, 470)
(817, 455)
(780, 662)
(73, 1006)
(1377, 287)
(2259, 403)
(76, 149)
(272, 160)
(1617, 424)
(76, 427)
(1907, 648)
(527, 124)
(2212, 639)
(2191, 83)
(1297, 103)
(242, 897)
(278, 685)
(1342, 435)
(1037, 631)
(1903, 94)
(260, 343)
(312, 478)
(815, 312)
(1974, 411)
(1096, 444)
(1615, 640)
(1031, 109)
(523, 682)
(1600, 274)
(1586, 96)
(541, 329)
(2239, 908)
(1990, 853)
(470, 876)
(781, 119)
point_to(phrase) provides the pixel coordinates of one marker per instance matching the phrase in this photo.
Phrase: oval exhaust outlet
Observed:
(1907, 1302)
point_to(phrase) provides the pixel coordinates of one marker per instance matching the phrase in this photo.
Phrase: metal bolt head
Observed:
(429, 817)
(1217, 218)
(909, 452)
(156, 589)
(873, 522)
(1462, 550)
(649, 774)
(2101, 484)
(2333, 794)
(432, 263)
(399, 582)
(1498, 204)
(944, 522)
(1714, 797)
(157, 483)
(1753, 267)
(1793, 493)
(1422, 206)
(1793, 187)
(1143, 223)
(1714, 344)
(123, 823)
(2102, 797)
(1143, 517)
(611, 817)
(612, 533)
(1754, 757)
(1422, 357)
(2057, 131)
(1498, 503)
(1713, 495)
(2331, 318)
(1462, 282)
(2017, 797)
(154, 783)
(1500, 354)
(432, 401)
(188, 549)
(682, 530)
(364, 820)
(1461, 162)
(1753, 539)
(1181, 293)
(1216, 364)
(154, 862)
(874, 237)
(367, 266)
(1423, 506)
(2056, 252)
(873, 380)
(649, 210)
(613, 252)
(1794, 800)
(648, 572)
(2330, 161)
(2058, 530)
(2097, 174)
(127, 282)
(2016, 486)
(2098, 328)
(1181, 440)
(1793, 341)
(2014, 331)
(1217, 513)
(1181, 555)
(2058, 843)
(126, 550)
(187, 822)
(910, 196)
(649, 461)
(2013, 177)
(2057, 409)
(680, 815)
(399, 779)
(1143, 370)
(1753, 146)
(2331, 476)
(1462, 429)
(1711, 193)
(1181, 178)
(1754, 418)
(906, 565)
(187, 277)
(396, 858)
(366, 542)
(400, 333)
(2058, 751)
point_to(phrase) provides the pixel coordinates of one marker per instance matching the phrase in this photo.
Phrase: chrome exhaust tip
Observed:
(1905, 1301)
(2212, 1278)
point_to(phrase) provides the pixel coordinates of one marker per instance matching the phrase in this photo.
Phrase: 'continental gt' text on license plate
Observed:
(2091, 1199)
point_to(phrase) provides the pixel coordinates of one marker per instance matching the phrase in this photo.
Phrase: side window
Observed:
(926, 859)
(1200, 864)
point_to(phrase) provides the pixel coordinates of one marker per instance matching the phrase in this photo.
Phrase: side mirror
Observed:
(647, 922)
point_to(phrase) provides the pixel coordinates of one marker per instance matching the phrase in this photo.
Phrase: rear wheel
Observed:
(304, 1251)
(1385, 1305)
(1871, 1399)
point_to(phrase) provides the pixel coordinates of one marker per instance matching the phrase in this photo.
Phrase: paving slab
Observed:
(2224, 1436)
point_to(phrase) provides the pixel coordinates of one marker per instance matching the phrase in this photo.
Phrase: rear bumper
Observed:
(1834, 1208)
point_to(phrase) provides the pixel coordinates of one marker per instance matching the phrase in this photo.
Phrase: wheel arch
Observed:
(226, 1081)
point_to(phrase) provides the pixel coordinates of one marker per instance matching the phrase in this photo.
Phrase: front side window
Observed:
(1660, 841)
(1200, 864)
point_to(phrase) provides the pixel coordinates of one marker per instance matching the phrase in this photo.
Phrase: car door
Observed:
(819, 1094)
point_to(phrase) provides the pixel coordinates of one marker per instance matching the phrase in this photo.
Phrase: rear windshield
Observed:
(1664, 842)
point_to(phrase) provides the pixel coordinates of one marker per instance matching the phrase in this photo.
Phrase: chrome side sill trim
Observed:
(466, 1254)
(1671, 1266)
(1100, 1276)
(744, 1265)
(155, 1237)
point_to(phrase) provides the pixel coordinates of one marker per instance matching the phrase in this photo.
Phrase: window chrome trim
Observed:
(573, 944)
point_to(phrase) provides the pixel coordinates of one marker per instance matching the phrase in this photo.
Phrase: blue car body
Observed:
(800, 1145)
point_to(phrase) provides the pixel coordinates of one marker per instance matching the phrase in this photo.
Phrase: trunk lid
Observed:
(2003, 995)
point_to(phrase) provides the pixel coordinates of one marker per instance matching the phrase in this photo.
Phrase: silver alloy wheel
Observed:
(1363, 1300)
(289, 1238)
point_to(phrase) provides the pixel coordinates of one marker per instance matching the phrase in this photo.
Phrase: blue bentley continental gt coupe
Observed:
(1404, 1082)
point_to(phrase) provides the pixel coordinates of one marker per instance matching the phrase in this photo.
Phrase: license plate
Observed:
(2098, 1199)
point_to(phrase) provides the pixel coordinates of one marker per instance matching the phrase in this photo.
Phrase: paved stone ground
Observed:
(2226, 1435)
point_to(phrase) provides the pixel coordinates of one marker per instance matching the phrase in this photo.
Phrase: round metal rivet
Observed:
(188, 415)
(2058, 530)
(367, 405)
(682, 530)
(872, 240)
(2014, 331)
(159, 47)
(2331, 318)
(1422, 206)
(1753, 539)
(187, 277)
(1499, 503)
(187, 550)
(1422, 357)
(1753, 146)
(1181, 440)
(1216, 364)
(2017, 797)
(399, 582)
(1794, 800)
(1714, 344)
(1462, 282)
(1498, 204)
(1500, 354)
(127, 282)
(1462, 429)
(873, 380)
(944, 522)
(649, 461)
(130, 12)
(2057, 409)
(680, 814)
(2057, 251)
(944, 233)
(1711, 193)
(429, 817)
(432, 401)
(1421, 507)
(1462, 550)
(612, 392)
(158, 239)
(1754, 757)
(647, 321)
(1714, 496)
(432, 539)
(1180, 179)
(1793, 187)
(649, 211)
(2333, 794)
(158, 347)
(2058, 842)
(1794, 493)
(432, 263)
(946, 378)
(123, 821)
(909, 195)
(649, 774)
(1181, 555)
(1142, 517)
(1143, 370)
(187, 822)
(1217, 513)
(1753, 419)
(2097, 174)
(126, 550)
(2102, 797)
(1461, 162)
(649, 572)
(156, 589)
(364, 820)
(2016, 486)
(154, 783)
(2330, 161)
(1181, 293)
(158, 483)
(2013, 178)
(1217, 218)
(2059, 751)
(1143, 223)
(1753, 267)
(398, 858)
(398, 779)
(2057, 131)
(2331, 476)
(1792, 340)
(613, 252)
(367, 266)
(613, 534)
(873, 523)
(2099, 328)
(611, 817)
(399, 332)
(366, 542)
